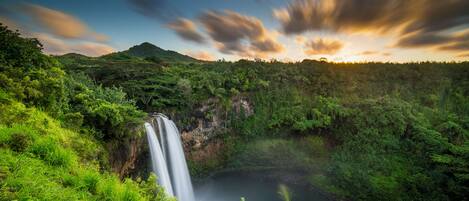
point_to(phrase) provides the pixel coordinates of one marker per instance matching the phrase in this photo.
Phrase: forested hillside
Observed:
(53, 127)
(364, 131)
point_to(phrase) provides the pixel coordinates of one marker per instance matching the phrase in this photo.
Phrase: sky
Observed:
(285, 30)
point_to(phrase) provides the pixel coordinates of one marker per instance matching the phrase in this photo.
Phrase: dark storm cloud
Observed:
(158, 9)
(186, 29)
(238, 34)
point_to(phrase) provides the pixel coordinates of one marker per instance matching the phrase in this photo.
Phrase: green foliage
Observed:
(40, 159)
(29, 75)
(19, 142)
(106, 109)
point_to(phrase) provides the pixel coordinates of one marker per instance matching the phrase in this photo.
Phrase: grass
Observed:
(40, 160)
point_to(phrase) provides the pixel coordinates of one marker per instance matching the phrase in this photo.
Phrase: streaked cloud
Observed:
(51, 44)
(201, 55)
(300, 39)
(60, 32)
(61, 24)
(323, 46)
(9, 23)
(187, 30)
(239, 34)
(374, 53)
(369, 52)
(386, 54)
(464, 55)
(56, 46)
(417, 23)
(372, 15)
(157, 9)
(458, 41)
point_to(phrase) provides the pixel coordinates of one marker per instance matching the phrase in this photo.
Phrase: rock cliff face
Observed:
(127, 158)
(201, 140)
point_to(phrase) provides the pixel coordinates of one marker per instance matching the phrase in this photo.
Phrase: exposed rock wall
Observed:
(202, 143)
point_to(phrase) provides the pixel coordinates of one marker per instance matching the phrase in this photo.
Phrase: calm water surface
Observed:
(253, 187)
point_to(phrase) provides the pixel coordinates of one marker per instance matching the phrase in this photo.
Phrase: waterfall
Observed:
(158, 162)
(168, 159)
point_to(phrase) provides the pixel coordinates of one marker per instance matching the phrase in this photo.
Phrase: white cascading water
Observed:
(158, 162)
(173, 159)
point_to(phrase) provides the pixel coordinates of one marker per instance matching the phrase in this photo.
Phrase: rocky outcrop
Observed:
(129, 157)
(202, 142)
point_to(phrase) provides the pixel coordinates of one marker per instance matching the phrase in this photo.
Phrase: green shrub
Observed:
(73, 120)
(19, 142)
(48, 150)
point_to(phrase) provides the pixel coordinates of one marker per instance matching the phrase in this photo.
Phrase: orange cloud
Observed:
(61, 24)
(9, 23)
(201, 55)
(300, 39)
(368, 52)
(92, 49)
(323, 46)
(416, 23)
(56, 46)
(464, 55)
(186, 29)
(241, 35)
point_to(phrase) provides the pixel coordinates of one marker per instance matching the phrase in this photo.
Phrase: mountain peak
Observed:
(147, 45)
(144, 49)
(150, 51)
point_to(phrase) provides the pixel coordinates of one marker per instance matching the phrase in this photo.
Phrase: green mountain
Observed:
(149, 52)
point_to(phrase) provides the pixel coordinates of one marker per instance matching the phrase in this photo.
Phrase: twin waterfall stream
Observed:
(167, 158)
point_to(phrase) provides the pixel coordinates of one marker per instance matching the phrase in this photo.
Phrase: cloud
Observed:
(57, 46)
(374, 52)
(372, 15)
(186, 29)
(12, 25)
(201, 55)
(386, 54)
(368, 52)
(422, 40)
(238, 34)
(92, 49)
(51, 44)
(458, 41)
(416, 23)
(463, 55)
(300, 39)
(157, 9)
(323, 46)
(61, 24)
(100, 37)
